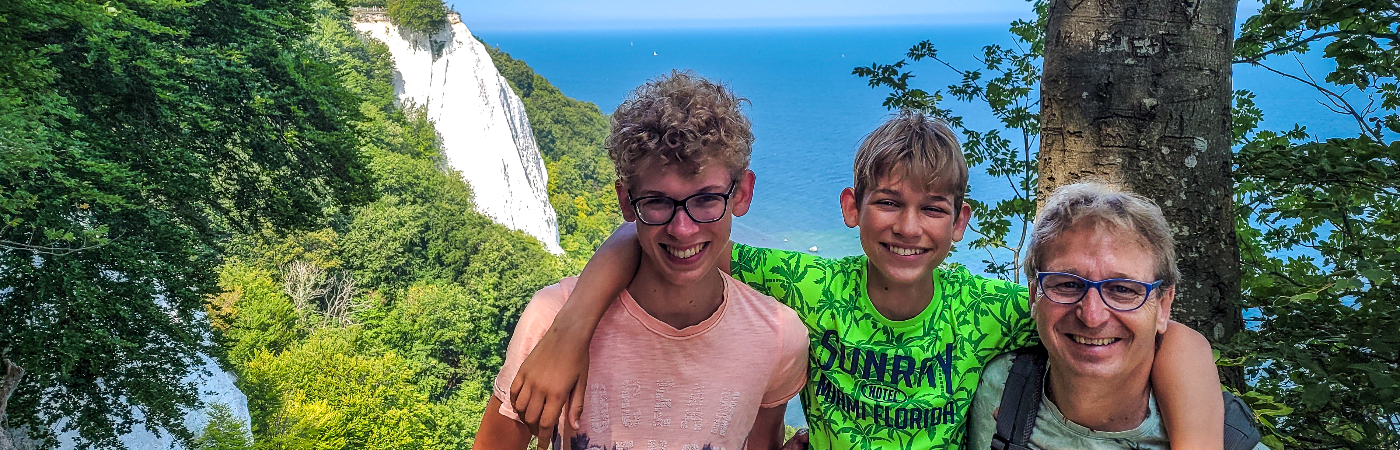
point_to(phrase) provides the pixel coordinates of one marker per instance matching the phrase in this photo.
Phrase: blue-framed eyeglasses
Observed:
(1121, 294)
(704, 207)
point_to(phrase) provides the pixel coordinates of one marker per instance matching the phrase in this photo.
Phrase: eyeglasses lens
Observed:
(703, 208)
(1120, 294)
(656, 210)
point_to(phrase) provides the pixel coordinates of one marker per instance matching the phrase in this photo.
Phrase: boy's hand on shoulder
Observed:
(550, 381)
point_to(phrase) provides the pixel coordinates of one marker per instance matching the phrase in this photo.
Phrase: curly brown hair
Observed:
(683, 120)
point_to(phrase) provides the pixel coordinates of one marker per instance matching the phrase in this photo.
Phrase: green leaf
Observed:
(1316, 395)
(1377, 276)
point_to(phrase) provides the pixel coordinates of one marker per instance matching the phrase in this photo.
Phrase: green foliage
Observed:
(1016, 75)
(422, 16)
(455, 333)
(252, 314)
(136, 136)
(570, 134)
(1318, 222)
(223, 432)
(328, 392)
(436, 288)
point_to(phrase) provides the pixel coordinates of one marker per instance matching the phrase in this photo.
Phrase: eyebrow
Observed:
(1111, 276)
(712, 189)
(894, 193)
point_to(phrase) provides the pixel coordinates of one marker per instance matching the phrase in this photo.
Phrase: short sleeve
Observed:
(791, 372)
(534, 321)
(796, 279)
(982, 421)
(749, 265)
(1001, 311)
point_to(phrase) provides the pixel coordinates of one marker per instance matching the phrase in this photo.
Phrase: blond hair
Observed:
(921, 148)
(1101, 204)
(680, 119)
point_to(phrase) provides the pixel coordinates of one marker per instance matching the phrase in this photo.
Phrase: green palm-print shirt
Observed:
(878, 383)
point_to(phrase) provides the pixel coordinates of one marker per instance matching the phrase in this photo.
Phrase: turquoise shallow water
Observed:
(809, 112)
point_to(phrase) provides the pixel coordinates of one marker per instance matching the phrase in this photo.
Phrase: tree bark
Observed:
(1137, 92)
(8, 384)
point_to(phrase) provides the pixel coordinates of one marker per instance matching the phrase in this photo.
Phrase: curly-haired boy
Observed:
(686, 357)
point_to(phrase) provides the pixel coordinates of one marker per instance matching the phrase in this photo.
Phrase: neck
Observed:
(679, 306)
(1100, 404)
(897, 301)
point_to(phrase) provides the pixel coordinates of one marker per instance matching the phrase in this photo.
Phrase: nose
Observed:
(907, 224)
(682, 225)
(1092, 310)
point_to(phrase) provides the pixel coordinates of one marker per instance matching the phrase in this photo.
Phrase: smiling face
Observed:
(1088, 339)
(682, 252)
(905, 230)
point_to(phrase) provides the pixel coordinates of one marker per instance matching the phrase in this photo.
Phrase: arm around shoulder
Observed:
(552, 378)
(1187, 387)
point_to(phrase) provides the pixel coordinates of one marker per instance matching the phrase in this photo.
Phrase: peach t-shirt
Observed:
(651, 386)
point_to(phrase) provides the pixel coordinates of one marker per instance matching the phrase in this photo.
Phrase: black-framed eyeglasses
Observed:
(1121, 294)
(704, 207)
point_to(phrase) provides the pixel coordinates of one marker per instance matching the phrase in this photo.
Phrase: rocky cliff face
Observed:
(486, 136)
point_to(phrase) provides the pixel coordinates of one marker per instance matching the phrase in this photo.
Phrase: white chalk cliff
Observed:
(485, 134)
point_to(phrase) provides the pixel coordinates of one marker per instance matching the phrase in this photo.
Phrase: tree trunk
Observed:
(1137, 92)
(8, 384)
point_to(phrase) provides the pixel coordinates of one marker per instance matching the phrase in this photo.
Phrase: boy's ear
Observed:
(850, 209)
(623, 204)
(960, 226)
(743, 194)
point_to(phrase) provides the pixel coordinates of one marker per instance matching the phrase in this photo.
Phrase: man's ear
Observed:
(960, 226)
(624, 203)
(743, 194)
(850, 208)
(1164, 309)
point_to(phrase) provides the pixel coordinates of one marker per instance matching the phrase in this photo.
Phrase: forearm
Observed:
(1187, 387)
(605, 276)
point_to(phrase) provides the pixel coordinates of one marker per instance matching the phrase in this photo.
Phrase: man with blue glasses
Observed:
(1104, 274)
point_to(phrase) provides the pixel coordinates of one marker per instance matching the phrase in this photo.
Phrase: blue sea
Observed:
(809, 112)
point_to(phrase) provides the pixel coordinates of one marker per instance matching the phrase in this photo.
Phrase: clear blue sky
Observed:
(502, 15)
(521, 15)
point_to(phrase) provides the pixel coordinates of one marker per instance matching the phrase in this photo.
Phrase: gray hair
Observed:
(1103, 204)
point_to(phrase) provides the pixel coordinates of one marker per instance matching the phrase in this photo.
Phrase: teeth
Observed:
(906, 251)
(685, 252)
(1088, 341)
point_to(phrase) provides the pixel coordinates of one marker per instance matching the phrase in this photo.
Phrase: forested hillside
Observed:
(243, 164)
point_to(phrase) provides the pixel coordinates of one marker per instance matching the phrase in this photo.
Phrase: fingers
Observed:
(576, 401)
(546, 436)
(518, 391)
(530, 412)
(549, 415)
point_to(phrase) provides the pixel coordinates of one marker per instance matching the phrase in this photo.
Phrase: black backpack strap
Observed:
(1241, 430)
(1020, 401)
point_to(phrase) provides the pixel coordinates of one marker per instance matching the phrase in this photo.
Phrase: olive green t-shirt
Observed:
(878, 383)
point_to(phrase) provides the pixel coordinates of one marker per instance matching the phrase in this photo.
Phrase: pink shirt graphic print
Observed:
(653, 387)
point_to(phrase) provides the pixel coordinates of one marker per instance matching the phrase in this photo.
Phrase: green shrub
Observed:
(423, 16)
